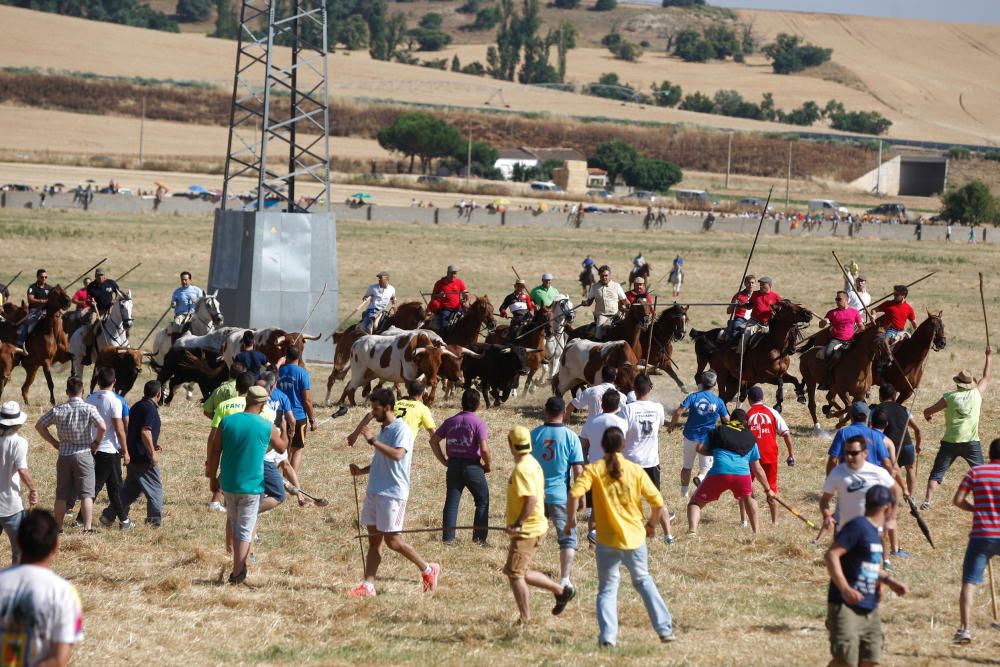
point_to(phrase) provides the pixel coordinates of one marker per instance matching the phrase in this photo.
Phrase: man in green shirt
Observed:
(961, 426)
(235, 387)
(544, 294)
(238, 449)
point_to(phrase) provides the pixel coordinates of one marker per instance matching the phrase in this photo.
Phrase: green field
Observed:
(736, 598)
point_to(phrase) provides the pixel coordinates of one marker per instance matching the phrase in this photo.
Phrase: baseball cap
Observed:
(859, 409)
(520, 438)
(452, 268)
(879, 496)
(99, 272)
(555, 404)
(547, 276)
(755, 394)
(256, 395)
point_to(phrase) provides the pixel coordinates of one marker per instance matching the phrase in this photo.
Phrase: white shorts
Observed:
(690, 449)
(383, 512)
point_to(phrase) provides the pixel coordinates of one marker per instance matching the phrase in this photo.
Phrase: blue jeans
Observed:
(366, 319)
(977, 555)
(466, 474)
(609, 561)
(557, 513)
(10, 525)
(443, 316)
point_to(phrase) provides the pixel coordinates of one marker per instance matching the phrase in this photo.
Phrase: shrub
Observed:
(566, 4)
(469, 7)
(658, 175)
(959, 153)
(475, 67)
(628, 51)
(431, 40)
(690, 47)
(788, 54)
(605, 5)
(190, 11)
(431, 21)
(666, 94)
(610, 87)
(697, 102)
(683, 3)
(865, 122)
(972, 203)
(486, 18)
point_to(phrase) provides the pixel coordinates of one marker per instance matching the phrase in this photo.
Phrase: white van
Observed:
(824, 206)
(545, 186)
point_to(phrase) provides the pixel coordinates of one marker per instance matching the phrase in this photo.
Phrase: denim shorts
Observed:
(274, 485)
(977, 555)
(557, 513)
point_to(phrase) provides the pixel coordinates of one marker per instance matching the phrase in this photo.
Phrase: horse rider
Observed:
(637, 263)
(38, 298)
(762, 302)
(521, 308)
(184, 301)
(101, 295)
(859, 297)
(639, 293)
(739, 308)
(676, 278)
(588, 270)
(844, 322)
(81, 300)
(381, 297)
(448, 296)
(897, 312)
(608, 298)
(545, 294)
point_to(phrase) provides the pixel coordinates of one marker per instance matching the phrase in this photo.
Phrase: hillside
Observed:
(922, 99)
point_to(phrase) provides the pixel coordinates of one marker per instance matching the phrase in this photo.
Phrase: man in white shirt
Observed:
(45, 615)
(849, 481)
(381, 297)
(110, 450)
(13, 469)
(859, 298)
(592, 435)
(608, 298)
(642, 442)
(590, 398)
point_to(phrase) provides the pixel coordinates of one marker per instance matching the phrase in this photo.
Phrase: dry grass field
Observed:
(154, 596)
(932, 80)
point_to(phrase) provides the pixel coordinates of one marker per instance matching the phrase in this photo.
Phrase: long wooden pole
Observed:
(82, 275)
(16, 276)
(753, 247)
(989, 565)
(649, 346)
(795, 512)
(139, 346)
(993, 592)
(357, 514)
(982, 300)
(889, 295)
(122, 276)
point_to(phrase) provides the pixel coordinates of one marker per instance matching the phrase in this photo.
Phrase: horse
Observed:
(630, 328)
(112, 331)
(532, 339)
(766, 357)
(466, 330)
(910, 355)
(587, 278)
(203, 320)
(13, 318)
(47, 343)
(409, 315)
(555, 340)
(667, 328)
(851, 377)
(640, 272)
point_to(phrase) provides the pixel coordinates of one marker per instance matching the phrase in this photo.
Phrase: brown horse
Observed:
(409, 315)
(532, 338)
(13, 317)
(668, 328)
(630, 328)
(587, 278)
(910, 355)
(47, 344)
(642, 272)
(765, 360)
(466, 330)
(851, 377)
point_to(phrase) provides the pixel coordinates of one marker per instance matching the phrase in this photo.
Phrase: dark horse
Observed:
(466, 330)
(667, 329)
(630, 327)
(587, 278)
(13, 317)
(765, 360)
(910, 355)
(408, 315)
(532, 338)
(643, 271)
(47, 344)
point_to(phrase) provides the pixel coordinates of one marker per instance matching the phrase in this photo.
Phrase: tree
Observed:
(690, 47)
(470, 7)
(566, 4)
(605, 5)
(419, 135)
(354, 34)
(865, 122)
(612, 40)
(666, 94)
(628, 51)
(656, 175)
(225, 21)
(722, 41)
(486, 19)
(697, 102)
(683, 3)
(788, 54)
(456, 64)
(191, 11)
(431, 40)
(615, 157)
(431, 21)
(972, 203)
(807, 114)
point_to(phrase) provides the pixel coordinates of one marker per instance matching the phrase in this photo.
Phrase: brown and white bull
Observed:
(398, 358)
(10, 356)
(582, 361)
(274, 343)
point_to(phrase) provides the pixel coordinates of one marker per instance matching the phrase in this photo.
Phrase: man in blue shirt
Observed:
(704, 410)
(878, 453)
(293, 380)
(251, 359)
(183, 301)
(558, 450)
(854, 562)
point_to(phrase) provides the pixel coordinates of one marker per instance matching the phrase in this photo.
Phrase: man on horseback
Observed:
(676, 278)
(639, 293)
(897, 312)
(762, 302)
(739, 308)
(521, 309)
(448, 296)
(843, 321)
(183, 301)
(545, 294)
(637, 263)
(38, 299)
(608, 298)
(589, 274)
(101, 295)
(381, 298)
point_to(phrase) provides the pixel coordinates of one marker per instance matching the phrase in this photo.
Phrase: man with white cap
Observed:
(521, 308)
(961, 425)
(13, 470)
(381, 297)
(448, 296)
(608, 298)
(544, 294)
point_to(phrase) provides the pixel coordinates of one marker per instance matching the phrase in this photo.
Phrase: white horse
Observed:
(562, 314)
(111, 331)
(204, 319)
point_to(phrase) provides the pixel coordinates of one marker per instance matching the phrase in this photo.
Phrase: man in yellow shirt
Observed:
(526, 524)
(411, 410)
(617, 488)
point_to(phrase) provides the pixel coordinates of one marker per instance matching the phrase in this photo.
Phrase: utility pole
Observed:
(788, 178)
(142, 129)
(468, 161)
(729, 159)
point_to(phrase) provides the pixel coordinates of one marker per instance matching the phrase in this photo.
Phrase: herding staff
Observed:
(16, 276)
(989, 564)
(84, 274)
(309, 317)
(434, 530)
(139, 347)
(889, 296)
(649, 346)
(746, 269)
(357, 513)
(122, 276)
(794, 512)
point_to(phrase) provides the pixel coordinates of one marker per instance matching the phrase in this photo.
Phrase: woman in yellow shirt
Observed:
(617, 488)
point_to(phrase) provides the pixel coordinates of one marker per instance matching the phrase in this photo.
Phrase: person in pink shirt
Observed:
(843, 321)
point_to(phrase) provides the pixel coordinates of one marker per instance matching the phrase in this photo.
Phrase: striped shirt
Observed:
(75, 422)
(984, 483)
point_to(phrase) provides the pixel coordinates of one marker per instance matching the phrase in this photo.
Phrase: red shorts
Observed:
(771, 470)
(713, 486)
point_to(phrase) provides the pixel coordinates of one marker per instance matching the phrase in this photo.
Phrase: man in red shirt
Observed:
(897, 312)
(638, 293)
(767, 425)
(762, 301)
(739, 308)
(983, 482)
(448, 296)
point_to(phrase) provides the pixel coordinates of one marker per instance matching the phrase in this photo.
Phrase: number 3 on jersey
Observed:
(548, 451)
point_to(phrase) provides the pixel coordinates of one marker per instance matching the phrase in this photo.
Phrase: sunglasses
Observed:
(854, 452)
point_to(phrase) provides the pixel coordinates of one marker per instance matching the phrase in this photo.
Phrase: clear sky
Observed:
(962, 11)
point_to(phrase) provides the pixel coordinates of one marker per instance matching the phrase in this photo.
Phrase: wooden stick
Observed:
(139, 346)
(82, 275)
(889, 296)
(982, 300)
(649, 346)
(993, 593)
(122, 276)
(434, 530)
(753, 247)
(794, 512)
(16, 276)
(312, 310)
(357, 513)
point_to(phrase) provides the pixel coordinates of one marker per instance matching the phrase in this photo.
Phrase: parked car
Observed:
(545, 186)
(17, 187)
(894, 210)
(430, 178)
(754, 204)
(695, 198)
(600, 194)
(643, 196)
(826, 206)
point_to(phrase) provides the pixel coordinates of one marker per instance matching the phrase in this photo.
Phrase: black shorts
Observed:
(654, 474)
(907, 455)
(299, 437)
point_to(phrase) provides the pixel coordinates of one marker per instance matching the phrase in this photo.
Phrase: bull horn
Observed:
(279, 340)
(533, 349)
(466, 352)
(451, 354)
(505, 350)
(420, 350)
(316, 337)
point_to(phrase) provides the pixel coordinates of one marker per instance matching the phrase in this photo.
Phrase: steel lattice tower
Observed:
(279, 119)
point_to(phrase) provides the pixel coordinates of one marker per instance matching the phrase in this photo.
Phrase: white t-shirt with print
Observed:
(58, 613)
(642, 441)
(590, 398)
(13, 457)
(850, 486)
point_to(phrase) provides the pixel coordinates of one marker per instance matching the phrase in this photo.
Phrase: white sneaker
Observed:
(216, 506)
(744, 524)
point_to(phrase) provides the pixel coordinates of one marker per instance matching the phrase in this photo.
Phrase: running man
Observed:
(767, 424)
(704, 409)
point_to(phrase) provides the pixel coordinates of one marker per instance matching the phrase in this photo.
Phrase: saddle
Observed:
(751, 335)
(838, 351)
